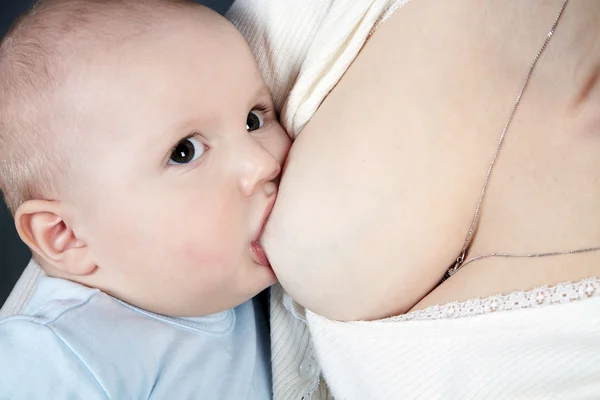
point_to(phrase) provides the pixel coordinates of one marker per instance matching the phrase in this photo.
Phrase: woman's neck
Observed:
(571, 64)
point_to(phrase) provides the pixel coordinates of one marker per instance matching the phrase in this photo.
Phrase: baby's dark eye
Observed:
(254, 121)
(186, 151)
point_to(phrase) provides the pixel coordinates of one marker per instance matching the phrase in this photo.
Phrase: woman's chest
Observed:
(394, 160)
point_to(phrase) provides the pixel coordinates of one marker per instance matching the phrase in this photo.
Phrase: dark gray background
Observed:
(14, 255)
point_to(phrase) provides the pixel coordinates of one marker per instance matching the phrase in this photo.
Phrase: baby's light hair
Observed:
(38, 57)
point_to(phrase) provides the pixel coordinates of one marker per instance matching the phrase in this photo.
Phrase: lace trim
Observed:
(542, 296)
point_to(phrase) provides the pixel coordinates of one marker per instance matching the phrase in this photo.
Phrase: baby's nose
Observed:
(259, 169)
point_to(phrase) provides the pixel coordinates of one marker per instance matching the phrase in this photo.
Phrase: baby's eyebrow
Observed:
(183, 126)
(179, 129)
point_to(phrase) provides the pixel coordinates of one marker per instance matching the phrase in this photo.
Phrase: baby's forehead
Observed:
(64, 43)
(88, 52)
(58, 31)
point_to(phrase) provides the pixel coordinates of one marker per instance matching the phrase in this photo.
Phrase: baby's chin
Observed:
(184, 302)
(259, 278)
(265, 279)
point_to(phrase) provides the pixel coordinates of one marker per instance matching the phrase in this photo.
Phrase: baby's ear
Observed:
(41, 225)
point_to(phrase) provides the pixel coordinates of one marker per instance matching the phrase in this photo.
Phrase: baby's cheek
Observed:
(188, 236)
(200, 258)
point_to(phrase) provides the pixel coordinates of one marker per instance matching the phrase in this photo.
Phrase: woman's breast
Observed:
(381, 185)
(376, 187)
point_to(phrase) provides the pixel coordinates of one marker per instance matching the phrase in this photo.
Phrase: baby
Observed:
(139, 153)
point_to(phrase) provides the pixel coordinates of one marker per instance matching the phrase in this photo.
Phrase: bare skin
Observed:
(384, 180)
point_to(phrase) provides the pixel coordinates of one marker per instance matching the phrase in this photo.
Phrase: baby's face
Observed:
(178, 174)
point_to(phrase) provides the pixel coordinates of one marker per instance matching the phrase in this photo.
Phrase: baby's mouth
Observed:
(260, 256)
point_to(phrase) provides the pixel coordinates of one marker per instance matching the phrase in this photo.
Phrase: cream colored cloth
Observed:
(304, 47)
(22, 291)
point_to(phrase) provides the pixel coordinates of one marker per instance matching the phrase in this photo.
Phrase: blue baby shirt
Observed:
(73, 342)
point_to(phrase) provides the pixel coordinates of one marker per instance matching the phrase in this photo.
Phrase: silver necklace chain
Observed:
(460, 261)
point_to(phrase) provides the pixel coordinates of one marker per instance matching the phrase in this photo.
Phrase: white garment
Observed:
(530, 347)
